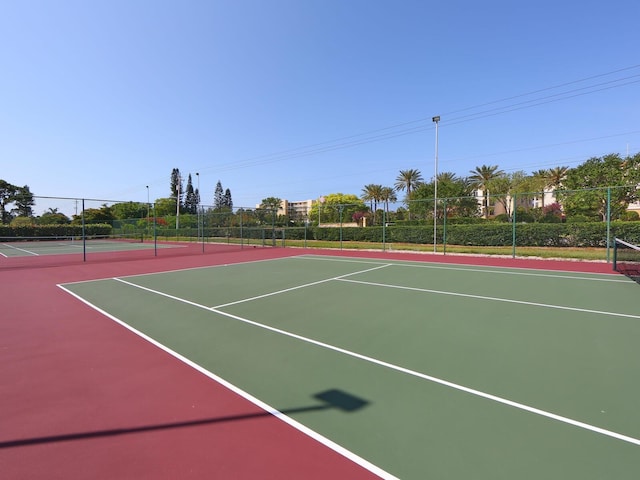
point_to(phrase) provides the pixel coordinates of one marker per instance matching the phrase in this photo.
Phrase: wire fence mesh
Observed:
(581, 218)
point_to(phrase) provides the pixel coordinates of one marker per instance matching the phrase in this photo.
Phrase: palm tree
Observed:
(271, 203)
(372, 193)
(555, 177)
(388, 194)
(480, 178)
(407, 180)
(540, 181)
(447, 177)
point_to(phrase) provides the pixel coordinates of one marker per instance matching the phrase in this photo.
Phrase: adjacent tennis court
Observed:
(62, 245)
(411, 369)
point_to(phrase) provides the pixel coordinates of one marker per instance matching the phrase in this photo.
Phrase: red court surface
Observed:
(82, 397)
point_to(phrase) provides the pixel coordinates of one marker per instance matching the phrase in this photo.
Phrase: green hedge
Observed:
(54, 230)
(588, 234)
(592, 234)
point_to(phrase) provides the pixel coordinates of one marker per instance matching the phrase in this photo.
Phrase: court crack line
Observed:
(414, 373)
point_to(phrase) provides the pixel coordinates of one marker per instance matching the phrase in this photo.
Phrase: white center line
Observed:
(299, 286)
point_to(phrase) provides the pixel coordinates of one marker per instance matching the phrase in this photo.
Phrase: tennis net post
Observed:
(626, 259)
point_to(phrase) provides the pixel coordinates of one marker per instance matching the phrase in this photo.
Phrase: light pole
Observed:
(435, 120)
(148, 206)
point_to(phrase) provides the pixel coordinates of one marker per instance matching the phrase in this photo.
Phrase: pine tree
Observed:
(218, 197)
(23, 202)
(228, 202)
(190, 200)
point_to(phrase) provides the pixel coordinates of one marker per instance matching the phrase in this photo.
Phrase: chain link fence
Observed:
(581, 218)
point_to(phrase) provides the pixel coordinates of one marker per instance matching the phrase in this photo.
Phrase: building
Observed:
(496, 207)
(297, 211)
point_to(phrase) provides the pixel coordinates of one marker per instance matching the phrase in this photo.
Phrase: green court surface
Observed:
(420, 370)
(65, 246)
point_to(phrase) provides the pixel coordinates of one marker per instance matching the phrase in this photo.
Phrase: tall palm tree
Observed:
(480, 178)
(447, 177)
(408, 180)
(539, 182)
(555, 177)
(372, 193)
(388, 194)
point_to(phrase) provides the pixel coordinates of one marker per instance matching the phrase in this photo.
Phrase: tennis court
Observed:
(411, 369)
(37, 246)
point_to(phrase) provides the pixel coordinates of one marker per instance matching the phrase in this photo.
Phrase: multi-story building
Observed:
(297, 211)
(531, 201)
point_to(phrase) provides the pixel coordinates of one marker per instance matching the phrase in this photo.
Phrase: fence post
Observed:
(201, 224)
(384, 230)
(155, 232)
(608, 222)
(84, 236)
(513, 226)
(444, 227)
(435, 220)
(241, 229)
(340, 207)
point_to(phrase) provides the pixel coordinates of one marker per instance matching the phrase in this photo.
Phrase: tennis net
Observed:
(49, 239)
(626, 259)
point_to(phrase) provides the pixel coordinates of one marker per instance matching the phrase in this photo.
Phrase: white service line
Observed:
(494, 299)
(20, 249)
(487, 269)
(299, 286)
(446, 383)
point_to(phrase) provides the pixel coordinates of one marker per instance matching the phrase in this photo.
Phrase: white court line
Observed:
(247, 396)
(446, 383)
(278, 292)
(179, 270)
(486, 270)
(494, 299)
(20, 249)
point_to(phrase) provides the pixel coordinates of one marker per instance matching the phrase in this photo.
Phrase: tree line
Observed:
(579, 192)
(181, 200)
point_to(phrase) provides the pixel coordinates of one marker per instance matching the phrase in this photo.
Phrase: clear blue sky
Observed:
(99, 99)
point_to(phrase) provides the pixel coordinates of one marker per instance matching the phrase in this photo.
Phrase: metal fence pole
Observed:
(84, 236)
(608, 223)
(444, 228)
(384, 230)
(513, 226)
(340, 207)
(155, 232)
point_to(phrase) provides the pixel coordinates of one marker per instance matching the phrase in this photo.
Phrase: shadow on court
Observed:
(331, 399)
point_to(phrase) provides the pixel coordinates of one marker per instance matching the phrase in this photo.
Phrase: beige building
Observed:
(531, 201)
(298, 210)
